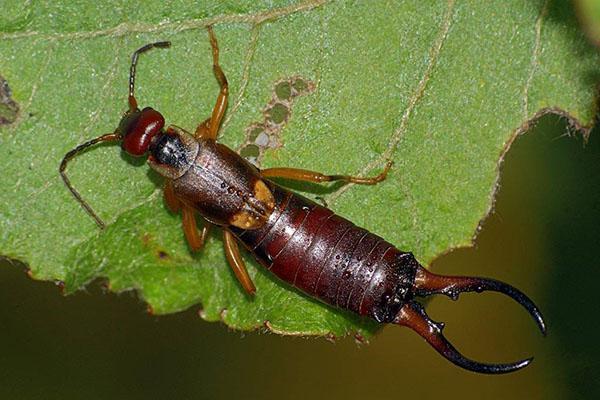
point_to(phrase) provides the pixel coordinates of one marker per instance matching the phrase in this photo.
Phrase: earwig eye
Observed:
(138, 128)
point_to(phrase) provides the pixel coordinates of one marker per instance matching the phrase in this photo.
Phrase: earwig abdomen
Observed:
(330, 258)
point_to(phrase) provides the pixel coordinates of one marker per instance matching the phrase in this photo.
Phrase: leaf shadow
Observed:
(573, 296)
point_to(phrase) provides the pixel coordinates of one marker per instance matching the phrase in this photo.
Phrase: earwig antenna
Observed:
(134, 60)
(110, 137)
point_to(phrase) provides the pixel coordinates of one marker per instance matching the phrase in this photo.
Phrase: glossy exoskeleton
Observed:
(303, 243)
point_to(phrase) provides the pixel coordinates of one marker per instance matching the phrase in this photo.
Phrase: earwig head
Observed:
(137, 128)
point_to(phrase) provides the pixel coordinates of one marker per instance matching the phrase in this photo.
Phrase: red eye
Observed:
(138, 129)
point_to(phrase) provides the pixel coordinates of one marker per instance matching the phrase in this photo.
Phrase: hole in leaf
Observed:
(278, 113)
(283, 90)
(267, 134)
(9, 109)
(301, 86)
(250, 150)
(254, 131)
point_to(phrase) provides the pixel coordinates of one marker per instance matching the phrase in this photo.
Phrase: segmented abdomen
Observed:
(330, 258)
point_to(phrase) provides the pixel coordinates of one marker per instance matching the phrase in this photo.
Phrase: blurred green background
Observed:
(543, 237)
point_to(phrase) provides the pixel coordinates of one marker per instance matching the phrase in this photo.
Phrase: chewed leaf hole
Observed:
(283, 90)
(9, 109)
(261, 136)
(278, 113)
(250, 151)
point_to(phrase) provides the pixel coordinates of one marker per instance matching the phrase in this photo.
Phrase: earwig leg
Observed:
(190, 229)
(317, 177)
(221, 104)
(172, 201)
(413, 316)
(237, 263)
(203, 130)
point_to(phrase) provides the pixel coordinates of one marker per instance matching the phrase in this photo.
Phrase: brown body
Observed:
(298, 240)
(304, 244)
(232, 191)
(330, 258)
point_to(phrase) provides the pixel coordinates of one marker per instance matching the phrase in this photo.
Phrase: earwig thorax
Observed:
(172, 152)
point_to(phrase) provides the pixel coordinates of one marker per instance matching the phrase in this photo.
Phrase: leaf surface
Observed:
(441, 88)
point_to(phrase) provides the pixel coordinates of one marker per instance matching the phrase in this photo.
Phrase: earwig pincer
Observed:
(303, 243)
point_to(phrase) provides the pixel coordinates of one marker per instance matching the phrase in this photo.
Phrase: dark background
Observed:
(543, 237)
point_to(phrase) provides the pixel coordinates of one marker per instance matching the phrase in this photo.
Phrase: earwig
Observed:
(301, 242)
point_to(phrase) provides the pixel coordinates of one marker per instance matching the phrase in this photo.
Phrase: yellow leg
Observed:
(190, 229)
(237, 263)
(210, 130)
(203, 130)
(317, 177)
(172, 201)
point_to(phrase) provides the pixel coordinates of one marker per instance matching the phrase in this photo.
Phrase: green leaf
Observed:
(442, 88)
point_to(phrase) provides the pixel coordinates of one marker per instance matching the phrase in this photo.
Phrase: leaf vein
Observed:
(434, 54)
(85, 133)
(535, 55)
(245, 75)
(178, 26)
